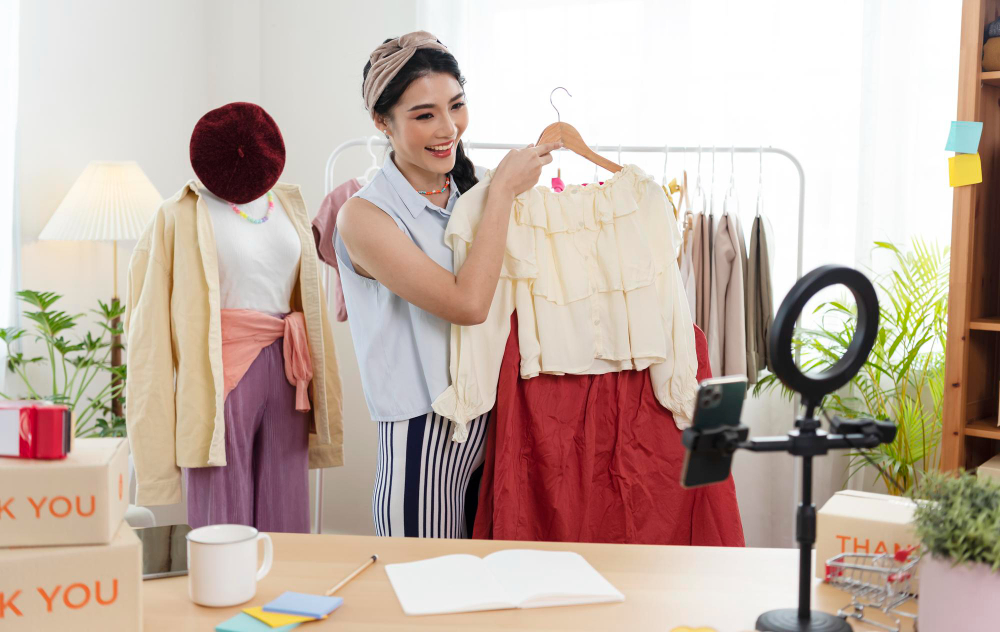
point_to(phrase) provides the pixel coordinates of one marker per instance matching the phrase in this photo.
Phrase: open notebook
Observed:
(499, 581)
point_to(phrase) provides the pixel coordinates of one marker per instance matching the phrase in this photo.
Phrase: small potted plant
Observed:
(959, 526)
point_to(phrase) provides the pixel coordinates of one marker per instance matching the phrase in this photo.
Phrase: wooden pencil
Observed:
(371, 560)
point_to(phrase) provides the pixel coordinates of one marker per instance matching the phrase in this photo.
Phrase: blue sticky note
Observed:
(245, 623)
(317, 606)
(964, 137)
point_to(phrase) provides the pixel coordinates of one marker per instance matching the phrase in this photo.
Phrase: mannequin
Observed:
(257, 398)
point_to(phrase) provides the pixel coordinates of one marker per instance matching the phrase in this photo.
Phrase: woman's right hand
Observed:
(520, 168)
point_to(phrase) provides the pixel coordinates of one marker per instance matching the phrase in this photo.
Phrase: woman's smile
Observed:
(443, 150)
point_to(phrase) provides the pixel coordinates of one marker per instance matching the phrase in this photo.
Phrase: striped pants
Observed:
(422, 478)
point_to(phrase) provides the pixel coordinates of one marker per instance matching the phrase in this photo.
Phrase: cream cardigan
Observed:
(592, 272)
(174, 390)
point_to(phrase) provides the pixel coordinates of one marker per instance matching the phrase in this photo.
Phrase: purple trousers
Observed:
(265, 483)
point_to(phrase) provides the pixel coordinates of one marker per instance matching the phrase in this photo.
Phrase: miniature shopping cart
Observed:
(880, 581)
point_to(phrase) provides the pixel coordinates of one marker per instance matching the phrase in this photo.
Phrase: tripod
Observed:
(807, 439)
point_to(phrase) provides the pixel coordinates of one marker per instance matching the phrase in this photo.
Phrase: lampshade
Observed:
(109, 201)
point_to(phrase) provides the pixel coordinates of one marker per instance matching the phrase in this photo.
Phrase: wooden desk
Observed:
(664, 587)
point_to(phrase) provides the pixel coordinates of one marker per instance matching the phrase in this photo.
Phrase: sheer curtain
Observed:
(9, 28)
(861, 91)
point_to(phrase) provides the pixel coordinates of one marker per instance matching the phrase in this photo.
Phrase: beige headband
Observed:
(389, 58)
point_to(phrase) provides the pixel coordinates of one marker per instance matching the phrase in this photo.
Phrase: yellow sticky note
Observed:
(276, 619)
(965, 169)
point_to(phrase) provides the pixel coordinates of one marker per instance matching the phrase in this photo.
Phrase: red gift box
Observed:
(34, 430)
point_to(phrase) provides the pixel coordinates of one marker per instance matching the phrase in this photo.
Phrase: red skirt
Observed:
(594, 458)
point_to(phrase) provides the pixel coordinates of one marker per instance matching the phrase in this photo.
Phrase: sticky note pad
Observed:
(245, 623)
(965, 169)
(964, 137)
(316, 606)
(276, 619)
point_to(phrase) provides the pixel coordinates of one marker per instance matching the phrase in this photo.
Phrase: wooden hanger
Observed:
(572, 140)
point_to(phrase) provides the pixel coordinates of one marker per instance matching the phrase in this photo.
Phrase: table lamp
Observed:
(110, 201)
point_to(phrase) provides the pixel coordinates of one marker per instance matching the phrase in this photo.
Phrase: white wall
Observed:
(119, 80)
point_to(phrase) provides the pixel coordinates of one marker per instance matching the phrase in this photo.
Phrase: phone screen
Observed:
(164, 550)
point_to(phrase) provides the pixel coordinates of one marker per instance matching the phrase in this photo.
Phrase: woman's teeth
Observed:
(441, 151)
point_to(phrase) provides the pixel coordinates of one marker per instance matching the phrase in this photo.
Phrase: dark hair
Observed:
(424, 62)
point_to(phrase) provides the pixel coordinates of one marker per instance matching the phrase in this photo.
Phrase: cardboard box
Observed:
(863, 522)
(79, 588)
(990, 469)
(77, 500)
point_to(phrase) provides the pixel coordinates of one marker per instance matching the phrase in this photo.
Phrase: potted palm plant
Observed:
(959, 528)
(74, 364)
(903, 379)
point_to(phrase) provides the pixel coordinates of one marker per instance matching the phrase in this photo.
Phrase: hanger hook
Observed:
(666, 156)
(558, 116)
(732, 166)
(760, 179)
(711, 187)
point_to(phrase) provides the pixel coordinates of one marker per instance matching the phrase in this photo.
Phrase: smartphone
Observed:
(719, 403)
(164, 551)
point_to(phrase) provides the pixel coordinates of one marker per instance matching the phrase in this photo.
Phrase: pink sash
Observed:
(246, 332)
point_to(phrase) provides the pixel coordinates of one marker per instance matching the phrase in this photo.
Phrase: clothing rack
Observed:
(370, 142)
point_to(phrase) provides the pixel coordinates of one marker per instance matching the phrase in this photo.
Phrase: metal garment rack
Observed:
(374, 141)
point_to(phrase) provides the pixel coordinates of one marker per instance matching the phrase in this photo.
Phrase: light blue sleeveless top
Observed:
(402, 350)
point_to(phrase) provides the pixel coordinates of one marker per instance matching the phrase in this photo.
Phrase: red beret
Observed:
(237, 152)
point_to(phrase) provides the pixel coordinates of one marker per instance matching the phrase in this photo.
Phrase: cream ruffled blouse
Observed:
(592, 272)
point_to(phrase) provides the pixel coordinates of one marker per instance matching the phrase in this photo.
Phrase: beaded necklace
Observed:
(254, 220)
(447, 181)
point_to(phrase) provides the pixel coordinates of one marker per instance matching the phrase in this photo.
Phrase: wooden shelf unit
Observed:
(970, 434)
(984, 428)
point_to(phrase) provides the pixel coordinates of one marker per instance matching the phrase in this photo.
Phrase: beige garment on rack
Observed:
(727, 345)
(761, 305)
(749, 317)
(697, 267)
(703, 270)
(687, 265)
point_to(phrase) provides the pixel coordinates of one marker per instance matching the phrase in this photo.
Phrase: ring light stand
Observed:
(807, 440)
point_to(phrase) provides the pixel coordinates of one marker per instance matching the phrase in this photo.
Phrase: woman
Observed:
(399, 286)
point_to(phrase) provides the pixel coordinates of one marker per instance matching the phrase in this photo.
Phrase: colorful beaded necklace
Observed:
(254, 220)
(447, 181)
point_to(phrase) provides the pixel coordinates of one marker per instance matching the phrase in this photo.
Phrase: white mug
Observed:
(222, 564)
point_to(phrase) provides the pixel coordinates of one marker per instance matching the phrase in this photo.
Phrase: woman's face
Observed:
(428, 121)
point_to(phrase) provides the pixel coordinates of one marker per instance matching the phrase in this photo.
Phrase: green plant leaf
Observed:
(86, 354)
(903, 378)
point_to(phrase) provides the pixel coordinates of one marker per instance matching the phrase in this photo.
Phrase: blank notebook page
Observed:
(536, 579)
(443, 585)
